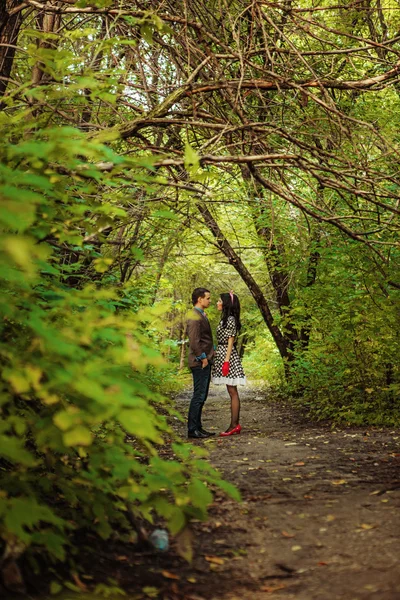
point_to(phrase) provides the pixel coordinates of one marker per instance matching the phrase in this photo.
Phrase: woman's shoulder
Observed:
(229, 321)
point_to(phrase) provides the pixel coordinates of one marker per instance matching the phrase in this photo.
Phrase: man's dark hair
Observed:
(198, 293)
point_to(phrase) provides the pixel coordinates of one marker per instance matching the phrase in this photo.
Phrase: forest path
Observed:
(320, 516)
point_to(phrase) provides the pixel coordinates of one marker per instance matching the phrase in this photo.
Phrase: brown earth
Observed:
(319, 518)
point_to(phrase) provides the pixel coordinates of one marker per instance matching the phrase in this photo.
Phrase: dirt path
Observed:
(319, 519)
(320, 514)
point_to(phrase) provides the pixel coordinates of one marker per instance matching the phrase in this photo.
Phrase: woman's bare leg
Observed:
(235, 406)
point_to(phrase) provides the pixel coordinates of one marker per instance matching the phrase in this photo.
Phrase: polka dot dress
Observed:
(236, 374)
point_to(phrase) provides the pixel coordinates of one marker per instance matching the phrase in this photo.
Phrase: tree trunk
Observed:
(161, 264)
(182, 360)
(273, 252)
(242, 346)
(280, 340)
(47, 23)
(9, 30)
(96, 64)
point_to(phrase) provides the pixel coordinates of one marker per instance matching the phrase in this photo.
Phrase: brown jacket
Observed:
(200, 337)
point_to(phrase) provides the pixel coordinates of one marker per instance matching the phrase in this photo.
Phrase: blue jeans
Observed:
(201, 383)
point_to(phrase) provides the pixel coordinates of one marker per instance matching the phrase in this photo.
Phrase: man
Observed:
(201, 352)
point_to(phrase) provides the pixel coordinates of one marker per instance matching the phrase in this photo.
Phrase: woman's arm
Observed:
(229, 349)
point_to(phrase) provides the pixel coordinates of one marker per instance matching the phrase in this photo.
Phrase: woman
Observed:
(227, 368)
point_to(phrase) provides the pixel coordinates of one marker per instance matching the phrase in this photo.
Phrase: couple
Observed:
(222, 366)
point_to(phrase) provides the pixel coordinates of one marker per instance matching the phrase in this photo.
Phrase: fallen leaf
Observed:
(78, 582)
(169, 575)
(216, 560)
(184, 544)
(150, 592)
(330, 518)
(338, 481)
(191, 580)
(367, 526)
(322, 564)
(288, 535)
(299, 464)
(296, 548)
(272, 588)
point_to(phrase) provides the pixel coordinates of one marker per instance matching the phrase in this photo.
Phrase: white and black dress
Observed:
(236, 374)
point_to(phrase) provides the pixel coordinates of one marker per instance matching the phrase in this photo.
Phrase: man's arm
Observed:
(194, 333)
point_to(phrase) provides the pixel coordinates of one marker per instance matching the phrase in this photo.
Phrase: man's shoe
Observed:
(197, 435)
(207, 433)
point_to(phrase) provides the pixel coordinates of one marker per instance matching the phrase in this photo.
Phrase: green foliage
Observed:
(261, 361)
(349, 372)
(81, 420)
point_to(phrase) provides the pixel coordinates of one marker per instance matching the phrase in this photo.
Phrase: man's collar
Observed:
(200, 310)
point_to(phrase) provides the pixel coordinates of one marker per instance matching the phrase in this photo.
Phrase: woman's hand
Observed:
(225, 368)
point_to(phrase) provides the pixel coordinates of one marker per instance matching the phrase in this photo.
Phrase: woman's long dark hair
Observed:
(230, 306)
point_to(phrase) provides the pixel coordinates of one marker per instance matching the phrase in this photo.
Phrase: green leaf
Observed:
(166, 214)
(137, 253)
(182, 450)
(199, 494)
(12, 449)
(20, 250)
(17, 217)
(79, 436)
(177, 521)
(146, 31)
(55, 543)
(139, 423)
(230, 489)
(102, 264)
(55, 588)
(192, 159)
(22, 514)
(65, 419)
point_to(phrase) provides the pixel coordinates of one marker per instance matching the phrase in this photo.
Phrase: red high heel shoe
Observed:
(236, 430)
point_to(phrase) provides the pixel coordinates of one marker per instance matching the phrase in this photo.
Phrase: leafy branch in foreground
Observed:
(75, 365)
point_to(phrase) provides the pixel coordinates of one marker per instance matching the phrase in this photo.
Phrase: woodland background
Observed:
(151, 147)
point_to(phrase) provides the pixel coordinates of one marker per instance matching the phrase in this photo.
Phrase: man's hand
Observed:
(204, 363)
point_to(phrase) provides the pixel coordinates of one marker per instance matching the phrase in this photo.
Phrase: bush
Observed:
(349, 371)
(76, 365)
